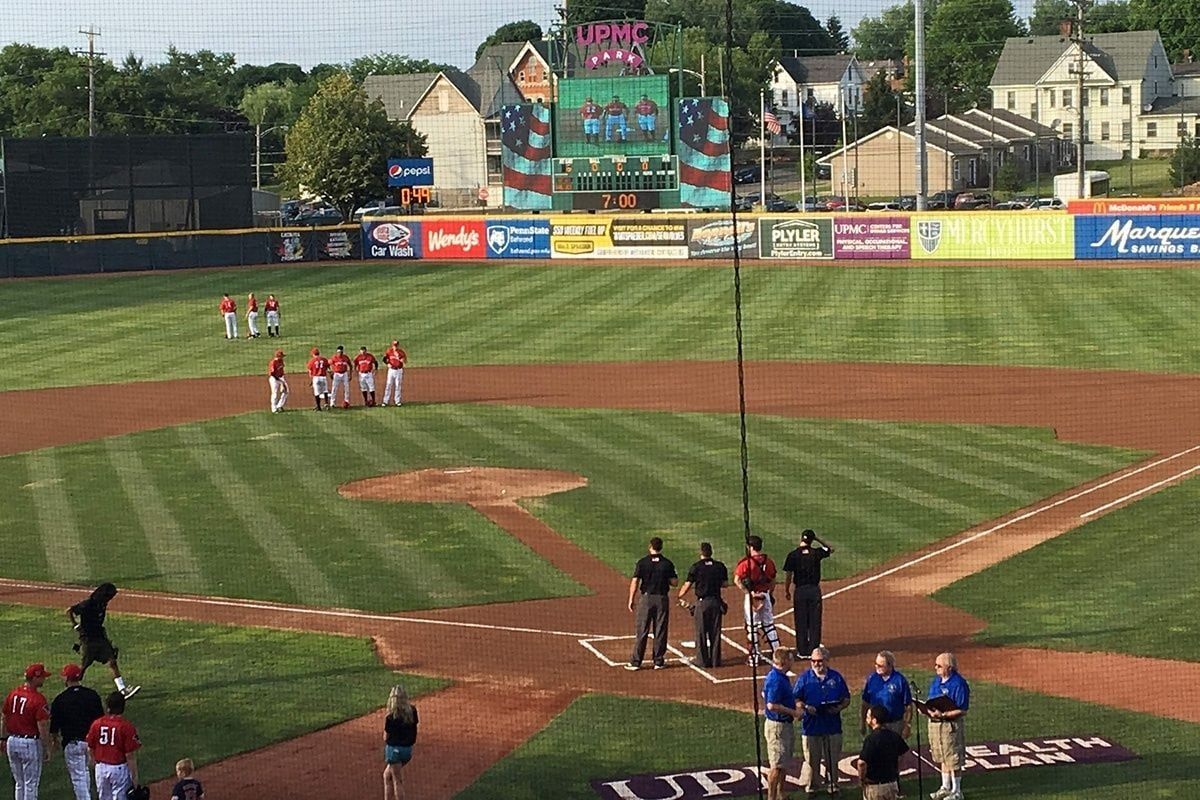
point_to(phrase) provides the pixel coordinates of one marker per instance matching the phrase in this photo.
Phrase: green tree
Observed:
(1113, 17)
(1008, 177)
(965, 38)
(1047, 14)
(390, 64)
(340, 144)
(1185, 163)
(524, 31)
(838, 37)
(1178, 22)
(269, 104)
(581, 11)
(890, 35)
(879, 106)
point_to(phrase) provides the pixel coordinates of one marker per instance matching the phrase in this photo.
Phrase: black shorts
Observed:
(94, 651)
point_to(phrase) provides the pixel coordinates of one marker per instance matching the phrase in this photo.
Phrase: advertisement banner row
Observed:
(973, 236)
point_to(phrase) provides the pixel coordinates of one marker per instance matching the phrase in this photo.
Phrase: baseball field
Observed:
(1000, 457)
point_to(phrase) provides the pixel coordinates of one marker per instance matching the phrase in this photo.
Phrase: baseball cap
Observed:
(316, 352)
(341, 348)
(395, 341)
(279, 354)
(808, 535)
(72, 672)
(36, 671)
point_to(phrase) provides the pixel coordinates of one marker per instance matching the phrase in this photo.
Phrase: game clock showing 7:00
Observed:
(616, 183)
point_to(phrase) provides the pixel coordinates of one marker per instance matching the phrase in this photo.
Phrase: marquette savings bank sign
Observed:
(987, 235)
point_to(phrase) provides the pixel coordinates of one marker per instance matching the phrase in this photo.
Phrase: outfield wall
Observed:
(985, 236)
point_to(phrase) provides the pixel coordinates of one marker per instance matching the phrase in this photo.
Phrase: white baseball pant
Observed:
(25, 758)
(273, 319)
(75, 754)
(395, 382)
(320, 386)
(279, 392)
(366, 381)
(252, 322)
(113, 781)
(230, 325)
(341, 380)
(761, 620)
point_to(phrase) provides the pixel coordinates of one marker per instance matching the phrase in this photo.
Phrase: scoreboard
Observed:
(616, 182)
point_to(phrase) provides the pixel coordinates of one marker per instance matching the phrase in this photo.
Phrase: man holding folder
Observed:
(822, 694)
(949, 698)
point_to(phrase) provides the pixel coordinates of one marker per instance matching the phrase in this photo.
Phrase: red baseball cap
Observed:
(279, 354)
(36, 671)
(395, 342)
(72, 672)
(316, 352)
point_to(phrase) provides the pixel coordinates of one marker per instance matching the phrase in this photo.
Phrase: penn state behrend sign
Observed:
(410, 172)
(745, 780)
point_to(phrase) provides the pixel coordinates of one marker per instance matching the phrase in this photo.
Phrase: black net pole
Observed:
(727, 57)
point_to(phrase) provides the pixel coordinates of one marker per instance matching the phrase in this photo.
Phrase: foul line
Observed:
(1000, 526)
(302, 610)
(1139, 492)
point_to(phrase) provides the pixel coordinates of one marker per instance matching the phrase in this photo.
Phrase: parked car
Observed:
(1011, 205)
(907, 202)
(1048, 204)
(318, 216)
(967, 201)
(289, 210)
(838, 203)
(385, 211)
(811, 203)
(823, 171)
(370, 205)
(884, 205)
(751, 174)
(774, 202)
(942, 200)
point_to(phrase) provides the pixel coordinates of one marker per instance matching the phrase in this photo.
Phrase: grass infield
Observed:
(209, 691)
(142, 327)
(1125, 583)
(605, 737)
(247, 506)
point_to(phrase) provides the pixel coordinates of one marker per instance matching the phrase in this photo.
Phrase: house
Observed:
(529, 64)
(459, 113)
(795, 82)
(1129, 100)
(963, 152)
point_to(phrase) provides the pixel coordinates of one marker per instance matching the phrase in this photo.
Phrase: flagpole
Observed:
(803, 190)
(845, 153)
(762, 149)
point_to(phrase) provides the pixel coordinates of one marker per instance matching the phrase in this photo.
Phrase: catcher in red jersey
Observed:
(279, 386)
(395, 358)
(340, 364)
(755, 574)
(365, 364)
(318, 370)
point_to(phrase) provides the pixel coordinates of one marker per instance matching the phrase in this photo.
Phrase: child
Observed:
(400, 734)
(188, 788)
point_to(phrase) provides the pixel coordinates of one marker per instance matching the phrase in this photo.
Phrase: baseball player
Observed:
(252, 316)
(394, 358)
(278, 383)
(318, 370)
(71, 716)
(756, 575)
(590, 112)
(365, 363)
(272, 309)
(94, 646)
(25, 732)
(646, 111)
(113, 743)
(615, 119)
(229, 314)
(340, 363)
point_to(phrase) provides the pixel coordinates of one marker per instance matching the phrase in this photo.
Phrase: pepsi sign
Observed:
(410, 172)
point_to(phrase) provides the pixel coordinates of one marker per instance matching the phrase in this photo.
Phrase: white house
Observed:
(837, 80)
(1129, 98)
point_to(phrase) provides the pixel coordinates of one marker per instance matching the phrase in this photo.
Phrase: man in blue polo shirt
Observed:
(823, 695)
(780, 711)
(889, 689)
(947, 736)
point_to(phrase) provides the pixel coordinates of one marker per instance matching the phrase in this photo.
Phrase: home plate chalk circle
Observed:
(471, 485)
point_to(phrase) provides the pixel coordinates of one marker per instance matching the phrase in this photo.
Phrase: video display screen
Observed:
(617, 115)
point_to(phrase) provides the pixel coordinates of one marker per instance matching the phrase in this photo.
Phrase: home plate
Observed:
(687, 643)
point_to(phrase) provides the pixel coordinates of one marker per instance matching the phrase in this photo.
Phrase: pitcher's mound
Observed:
(462, 485)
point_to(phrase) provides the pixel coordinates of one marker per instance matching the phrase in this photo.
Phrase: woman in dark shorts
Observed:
(400, 734)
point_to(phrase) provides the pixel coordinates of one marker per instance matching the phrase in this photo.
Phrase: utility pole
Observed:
(922, 174)
(91, 33)
(1080, 73)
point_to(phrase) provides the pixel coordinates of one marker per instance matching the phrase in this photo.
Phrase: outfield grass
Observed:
(139, 327)
(209, 691)
(247, 506)
(1125, 582)
(602, 737)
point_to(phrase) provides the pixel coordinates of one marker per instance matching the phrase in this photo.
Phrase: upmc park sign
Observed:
(745, 780)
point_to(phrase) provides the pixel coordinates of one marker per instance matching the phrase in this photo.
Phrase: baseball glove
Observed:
(138, 793)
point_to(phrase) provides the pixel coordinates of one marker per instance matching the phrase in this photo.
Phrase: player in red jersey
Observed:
(318, 370)
(113, 743)
(271, 306)
(25, 732)
(340, 363)
(395, 357)
(252, 316)
(229, 314)
(590, 112)
(279, 386)
(365, 363)
(755, 574)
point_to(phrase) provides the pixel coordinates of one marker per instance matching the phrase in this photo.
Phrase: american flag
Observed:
(704, 152)
(526, 156)
(771, 122)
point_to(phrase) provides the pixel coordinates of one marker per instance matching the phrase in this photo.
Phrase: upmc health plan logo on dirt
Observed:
(518, 238)
(391, 240)
(740, 780)
(454, 238)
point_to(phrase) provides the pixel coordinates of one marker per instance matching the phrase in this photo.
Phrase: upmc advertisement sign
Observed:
(454, 238)
(1170, 236)
(870, 237)
(410, 172)
(391, 239)
(993, 235)
(796, 238)
(518, 238)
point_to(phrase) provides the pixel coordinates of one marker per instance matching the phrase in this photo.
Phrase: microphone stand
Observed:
(920, 783)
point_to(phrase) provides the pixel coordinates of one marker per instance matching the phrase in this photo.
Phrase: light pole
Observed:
(259, 133)
(1080, 72)
(700, 75)
(899, 166)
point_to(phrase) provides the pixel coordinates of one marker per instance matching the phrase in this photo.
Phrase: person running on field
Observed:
(400, 735)
(94, 646)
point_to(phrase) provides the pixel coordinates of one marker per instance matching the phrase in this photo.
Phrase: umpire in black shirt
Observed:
(707, 576)
(72, 713)
(654, 575)
(803, 568)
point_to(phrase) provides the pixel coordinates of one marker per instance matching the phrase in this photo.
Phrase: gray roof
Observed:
(1174, 106)
(935, 138)
(503, 53)
(816, 69)
(399, 93)
(495, 87)
(951, 125)
(465, 84)
(1026, 58)
(1185, 69)
(1017, 121)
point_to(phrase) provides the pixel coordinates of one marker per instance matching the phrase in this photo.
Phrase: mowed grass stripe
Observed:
(274, 540)
(174, 558)
(62, 544)
(565, 305)
(595, 322)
